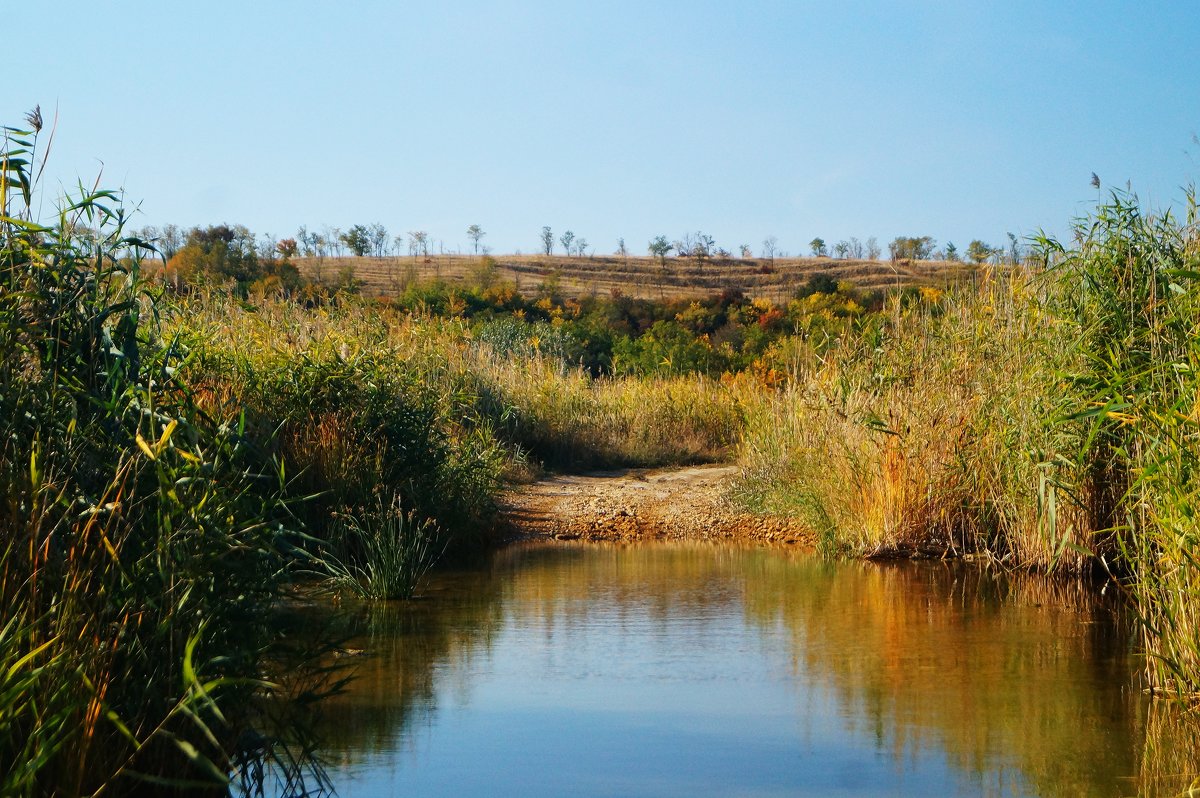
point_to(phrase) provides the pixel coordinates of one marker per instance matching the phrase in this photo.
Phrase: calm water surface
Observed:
(700, 670)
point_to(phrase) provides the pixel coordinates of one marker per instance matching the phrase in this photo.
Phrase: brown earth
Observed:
(641, 504)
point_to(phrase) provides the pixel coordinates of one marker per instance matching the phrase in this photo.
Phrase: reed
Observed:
(145, 541)
(925, 430)
(383, 554)
(1042, 418)
(1133, 308)
(568, 420)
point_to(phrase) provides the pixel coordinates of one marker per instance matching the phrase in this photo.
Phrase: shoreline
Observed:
(639, 504)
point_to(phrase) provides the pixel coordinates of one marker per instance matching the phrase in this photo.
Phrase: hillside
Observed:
(636, 276)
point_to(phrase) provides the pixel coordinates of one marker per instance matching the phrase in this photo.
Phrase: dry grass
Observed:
(571, 422)
(542, 412)
(639, 277)
(928, 434)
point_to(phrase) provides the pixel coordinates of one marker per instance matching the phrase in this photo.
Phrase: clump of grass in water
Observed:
(387, 552)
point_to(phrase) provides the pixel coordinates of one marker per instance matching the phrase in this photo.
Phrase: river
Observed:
(673, 669)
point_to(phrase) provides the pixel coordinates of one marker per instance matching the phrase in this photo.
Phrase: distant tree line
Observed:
(233, 251)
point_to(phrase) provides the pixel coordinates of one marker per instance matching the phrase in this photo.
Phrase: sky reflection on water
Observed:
(698, 670)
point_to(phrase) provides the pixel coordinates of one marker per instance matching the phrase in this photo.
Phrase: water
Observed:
(700, 670)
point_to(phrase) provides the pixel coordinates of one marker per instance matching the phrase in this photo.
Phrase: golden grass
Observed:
(534, 404)
(927, 436)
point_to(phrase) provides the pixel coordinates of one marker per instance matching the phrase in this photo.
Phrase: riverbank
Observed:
(642, 504)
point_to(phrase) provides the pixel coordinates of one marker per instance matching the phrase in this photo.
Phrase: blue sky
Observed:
(957, 120)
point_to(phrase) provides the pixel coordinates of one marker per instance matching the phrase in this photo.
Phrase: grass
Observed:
(455, 398)
(393, 552)
(633, 276)
(171, 464)
(924, 431)
(145, 541)
(1042, 418)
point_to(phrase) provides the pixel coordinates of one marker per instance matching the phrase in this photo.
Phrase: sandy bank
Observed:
(641, 504)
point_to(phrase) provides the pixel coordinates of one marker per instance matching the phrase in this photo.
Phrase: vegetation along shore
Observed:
(198, 435)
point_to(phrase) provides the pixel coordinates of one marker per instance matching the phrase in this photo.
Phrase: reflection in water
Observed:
(665, 669)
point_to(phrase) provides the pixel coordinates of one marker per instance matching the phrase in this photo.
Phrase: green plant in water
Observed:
(386, 553)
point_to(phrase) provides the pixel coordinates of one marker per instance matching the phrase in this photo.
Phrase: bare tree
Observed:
(581, 246)
(770, 246)
(683, 247)
(170, 241)
(856, 248)
(697, 245)
(333, 240)
(266, 247)
(305, 241)
(547, 241)
(565, 239)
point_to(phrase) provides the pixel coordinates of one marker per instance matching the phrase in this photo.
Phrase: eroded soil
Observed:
(641, 504)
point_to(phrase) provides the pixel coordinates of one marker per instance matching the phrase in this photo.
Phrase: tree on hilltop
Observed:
(660, 247)
(978, 251)
(357, 239)
(475, 233)
(911, 247)
(770, 246)
(379, 239)
(418, 243)
(287, 248)
(566, 240)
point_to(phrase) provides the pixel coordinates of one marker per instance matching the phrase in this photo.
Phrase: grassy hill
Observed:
(641, 277)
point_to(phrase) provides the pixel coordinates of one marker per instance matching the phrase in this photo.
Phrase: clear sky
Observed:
(957, 120)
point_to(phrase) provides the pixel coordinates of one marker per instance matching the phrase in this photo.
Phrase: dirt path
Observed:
(641, 504)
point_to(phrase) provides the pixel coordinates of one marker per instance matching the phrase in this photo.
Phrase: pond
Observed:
(704, 670)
